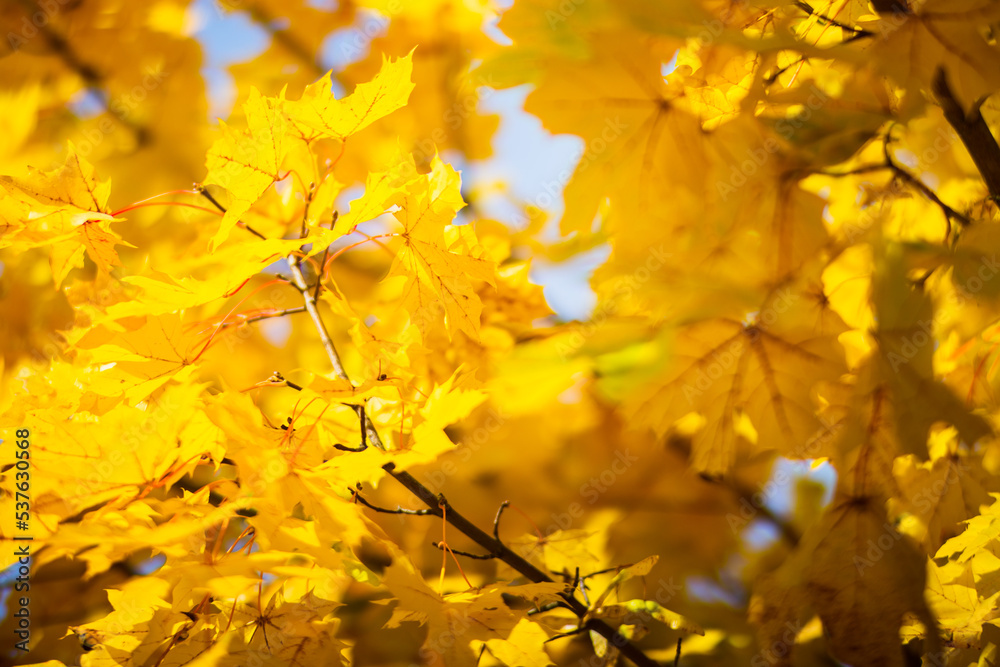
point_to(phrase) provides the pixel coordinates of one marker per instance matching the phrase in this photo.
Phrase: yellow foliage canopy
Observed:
(268, 419)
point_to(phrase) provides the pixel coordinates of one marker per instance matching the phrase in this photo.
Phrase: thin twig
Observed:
(787, 530)
(862, 169)
(305, 213)
(443, 547)
(91, 77)
(203, 192)
(547, 607)
(564, 635)
(286, 39)
(858, 32)
(331, 352)
(362, 418)
(949, 213)
(496, 522)
(384, 510)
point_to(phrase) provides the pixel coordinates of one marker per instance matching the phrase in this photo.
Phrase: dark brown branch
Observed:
(515, 560)
(973, 131)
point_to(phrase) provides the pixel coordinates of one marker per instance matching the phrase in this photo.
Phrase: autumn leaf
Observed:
(68, 211)
(940, 35)
(144, 354)
(860, 575)
(437, 272)
(475, 616)
(245, 163)
(523, 333)
(318, 113)
(729, 371)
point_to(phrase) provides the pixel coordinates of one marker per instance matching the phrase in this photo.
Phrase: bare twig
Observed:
(949, 213)
(442, 547)
(858, 32)
(385, 510)
(496, 522)
(363, 419)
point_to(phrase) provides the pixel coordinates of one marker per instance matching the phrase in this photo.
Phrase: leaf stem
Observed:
(239, 321)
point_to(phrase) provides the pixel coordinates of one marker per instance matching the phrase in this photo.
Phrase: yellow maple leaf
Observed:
(437, 273)
(245, 163)
(940, 34)
(141, 357)
(860, 575)
(319, 114)
(456, 621)
(66, 208)
(728, 370)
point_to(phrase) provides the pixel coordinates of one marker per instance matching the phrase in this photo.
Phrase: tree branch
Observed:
(973, 131)
(91, 78)
(438, 505)
(949, 213)
(338, 367)
(502, 552)
(787, 530)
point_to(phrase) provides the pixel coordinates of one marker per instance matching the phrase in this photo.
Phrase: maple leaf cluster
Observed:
(271, 418)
